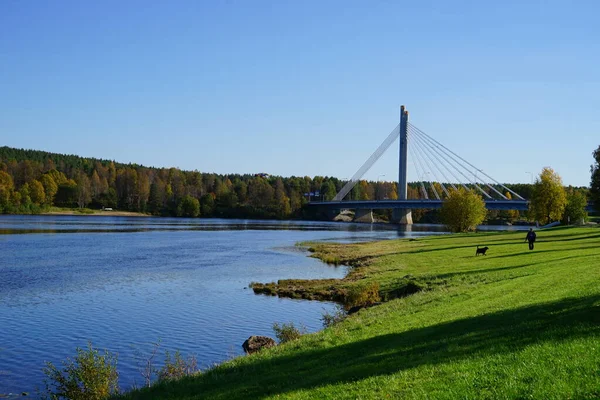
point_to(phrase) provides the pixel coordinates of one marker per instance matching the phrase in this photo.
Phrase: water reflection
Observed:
(89, 224)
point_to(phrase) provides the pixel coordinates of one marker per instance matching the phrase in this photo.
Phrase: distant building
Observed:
(262, 175)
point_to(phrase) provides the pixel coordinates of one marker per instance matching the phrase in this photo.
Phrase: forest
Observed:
(32, 181)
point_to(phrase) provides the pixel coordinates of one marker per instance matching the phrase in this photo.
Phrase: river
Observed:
(124, 283)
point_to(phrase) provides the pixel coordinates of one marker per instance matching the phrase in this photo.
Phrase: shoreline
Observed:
(360, 287)
(97, 213)
(475, 312)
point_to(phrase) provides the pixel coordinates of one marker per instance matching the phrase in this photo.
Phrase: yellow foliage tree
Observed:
(463, 210)
(6, 190)
(549, 198)
(36, 191)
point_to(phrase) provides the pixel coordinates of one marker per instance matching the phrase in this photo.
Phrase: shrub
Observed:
(288, 332)
(89, 376)
(463, 210)
(145, 363)
(177, 367)
(362, 295)
(329, 319)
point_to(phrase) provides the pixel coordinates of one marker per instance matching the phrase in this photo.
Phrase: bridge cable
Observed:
(416, 163)
(424, 158)
(453, 162)
(498, 183)
(461, 173)
(419, 174)
(391, 138)
(442, 164)
(430, 156)
(452, 159)
(435, 143)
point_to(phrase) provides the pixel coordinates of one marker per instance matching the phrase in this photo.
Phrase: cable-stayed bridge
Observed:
(447, 170)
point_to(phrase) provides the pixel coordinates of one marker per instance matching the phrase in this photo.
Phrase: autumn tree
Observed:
(463, 210)
(99, 185)
(393, 191)
(48, 165)
(296, 200)
(126, 186)
(281, 200)
(25, 201)
(195, 184)
(111, 174)
(58, 177)
(37, 193)
(6, 189)
(83, 190)
(260, 193)
(548, 199)
(15, 200)
(575, 208)
(177, 182)
(413, 193)
(50, 188)
(27, 172)
(366, 191)
(143, 191)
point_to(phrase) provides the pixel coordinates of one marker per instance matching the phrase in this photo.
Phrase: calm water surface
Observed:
(124, 283)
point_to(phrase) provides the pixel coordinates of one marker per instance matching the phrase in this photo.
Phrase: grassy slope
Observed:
(513, 324)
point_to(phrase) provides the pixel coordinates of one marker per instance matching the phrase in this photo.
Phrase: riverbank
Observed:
(92, 212)
(512, 324)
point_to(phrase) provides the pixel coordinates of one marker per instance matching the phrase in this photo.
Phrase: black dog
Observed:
(481, 250)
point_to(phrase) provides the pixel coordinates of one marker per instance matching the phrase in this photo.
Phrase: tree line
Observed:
(31, 181)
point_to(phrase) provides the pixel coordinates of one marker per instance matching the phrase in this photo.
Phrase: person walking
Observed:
(530, 238)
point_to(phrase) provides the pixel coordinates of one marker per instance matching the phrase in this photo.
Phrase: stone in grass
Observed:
(256, 343)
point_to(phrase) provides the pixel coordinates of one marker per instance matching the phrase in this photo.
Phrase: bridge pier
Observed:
(363, 215)
(402, 216)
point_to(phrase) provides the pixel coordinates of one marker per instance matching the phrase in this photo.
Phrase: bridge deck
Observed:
(521, 205)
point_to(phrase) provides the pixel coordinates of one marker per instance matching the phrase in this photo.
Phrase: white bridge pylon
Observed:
(429, 156)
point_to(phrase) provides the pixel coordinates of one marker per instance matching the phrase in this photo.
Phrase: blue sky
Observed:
(303, 87)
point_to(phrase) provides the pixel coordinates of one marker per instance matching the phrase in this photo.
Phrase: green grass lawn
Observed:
(512, 324)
